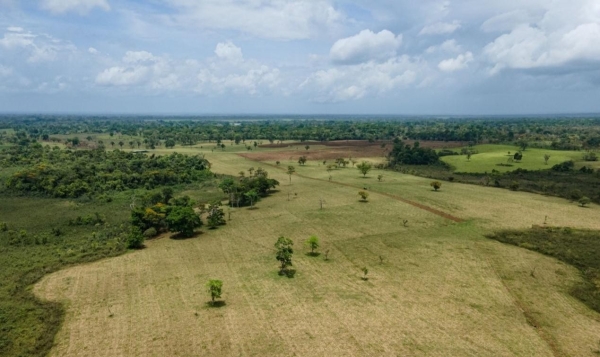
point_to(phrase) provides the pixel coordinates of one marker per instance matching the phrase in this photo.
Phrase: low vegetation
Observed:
(580, 248)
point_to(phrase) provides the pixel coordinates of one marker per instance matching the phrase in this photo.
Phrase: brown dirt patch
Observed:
(331, 150)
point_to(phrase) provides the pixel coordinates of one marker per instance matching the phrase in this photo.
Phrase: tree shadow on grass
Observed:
(181, 236)
(215, 304)
(312, 254)
(290, 273)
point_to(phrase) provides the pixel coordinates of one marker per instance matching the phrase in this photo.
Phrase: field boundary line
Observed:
(395, 197)
(529, 318)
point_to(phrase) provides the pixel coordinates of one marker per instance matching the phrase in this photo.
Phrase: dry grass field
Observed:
(436, 287)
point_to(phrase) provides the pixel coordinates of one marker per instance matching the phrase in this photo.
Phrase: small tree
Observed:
(546, 158)
(364, 195)
(307, 147)
(285, 251)
(379, 177)
(302, 160)
(364, 168)
(215, 288)
(365, 272)
(290, 172)
(215, 217)
(313, 244)
(277, 163)
(583, 201)
(469, 155)
(252, 195)
(436, 185)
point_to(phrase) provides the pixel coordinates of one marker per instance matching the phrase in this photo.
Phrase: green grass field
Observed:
(490, 156)
(436, 286)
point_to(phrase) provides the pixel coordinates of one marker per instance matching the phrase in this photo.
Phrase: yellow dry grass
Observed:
(441, 290)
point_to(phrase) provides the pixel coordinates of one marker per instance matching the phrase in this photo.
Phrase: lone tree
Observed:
(307, 147)
(546, 158)
(215, 288)
(183, 220)
(302, 160)
(285, 251)
(436, 185)
(469, 155)
(379, 177)
(364, 195)
(290, 172)
(313, 244)
(364, 168)
(583, 201)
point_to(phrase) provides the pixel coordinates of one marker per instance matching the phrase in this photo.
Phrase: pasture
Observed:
(489, 157)
(436, 286)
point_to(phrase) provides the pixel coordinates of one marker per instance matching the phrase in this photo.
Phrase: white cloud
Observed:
(527, 47)
(14, 29)
(274, 19)
(143, 70)
(39, 47)
(455, 64)
(229, 52)
(446, 46)
(79, 6)
(565, 36)
(366, 79)
(440, 28)
(92, 51)
(365, 46)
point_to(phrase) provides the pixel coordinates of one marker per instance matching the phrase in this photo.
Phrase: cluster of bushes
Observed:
(88, 220)
(67, 173)
(160, 212)
(246, 190)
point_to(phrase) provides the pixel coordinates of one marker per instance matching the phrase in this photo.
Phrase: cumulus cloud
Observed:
(274, 19)
(92, 51)
(365, 79)
(144, 70)
(529, 47)
(79, 6)
(229, 52)
(440, 28)
(365, 46)
(456, 64)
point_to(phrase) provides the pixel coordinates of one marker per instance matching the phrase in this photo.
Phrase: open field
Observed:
(490, 156)
(442, 289)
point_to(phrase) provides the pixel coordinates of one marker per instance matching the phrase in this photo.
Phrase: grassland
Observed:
(436, 286)
(489, 156)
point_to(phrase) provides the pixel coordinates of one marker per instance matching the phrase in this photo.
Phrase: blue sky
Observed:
(304, 56)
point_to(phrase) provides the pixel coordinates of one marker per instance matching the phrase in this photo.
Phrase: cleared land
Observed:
(489, 157)
(441, 290)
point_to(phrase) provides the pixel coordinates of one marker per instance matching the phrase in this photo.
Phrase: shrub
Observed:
(150, 232)
(135, 239)
(3, 227)
(436, 185)
(514, 186)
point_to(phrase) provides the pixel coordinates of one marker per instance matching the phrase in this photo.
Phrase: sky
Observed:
(406, 57)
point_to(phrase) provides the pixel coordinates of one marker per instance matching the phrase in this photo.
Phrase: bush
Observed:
(135, 239)
(150, 232)
(3, 227)
(514, 186)
(436, 185)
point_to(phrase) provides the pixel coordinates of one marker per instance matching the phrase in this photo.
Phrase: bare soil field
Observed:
(435, 287)
(330, 150)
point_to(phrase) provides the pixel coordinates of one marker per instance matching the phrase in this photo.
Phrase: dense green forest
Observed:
(553, 133)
